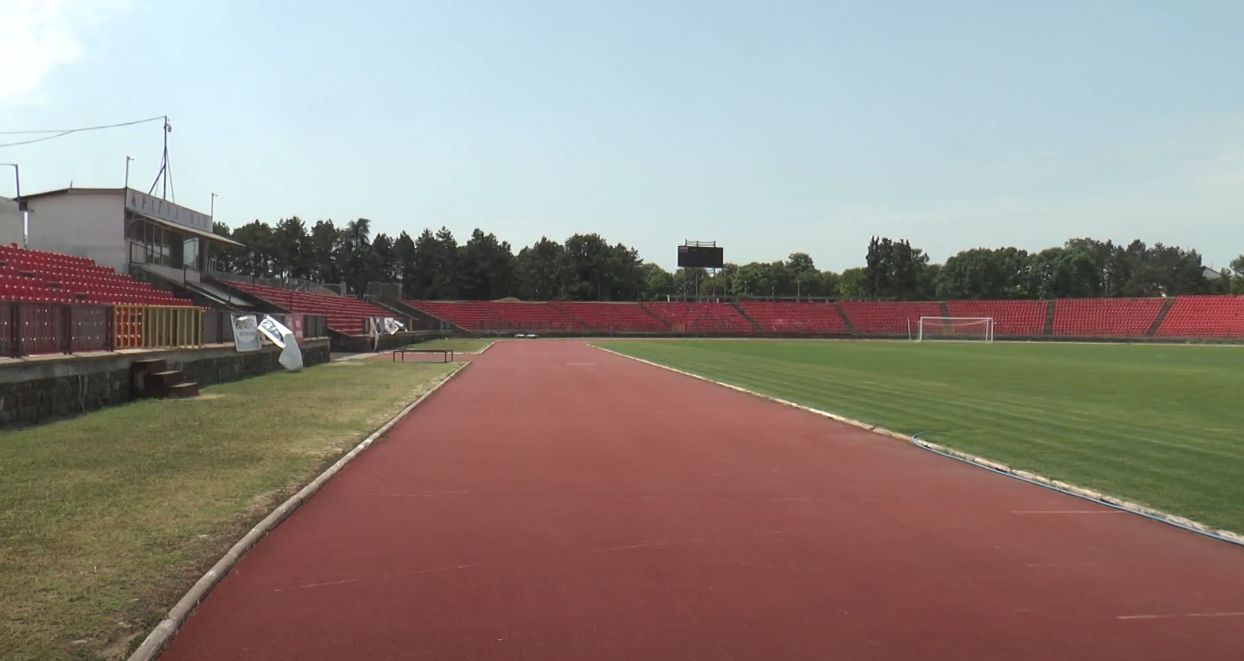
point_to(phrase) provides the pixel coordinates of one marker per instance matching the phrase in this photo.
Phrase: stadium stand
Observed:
(1204, 317)
(788, 317)
(499, 315)
(344, 314)
(45, 277)
(615, 317)
(1105, 317)
(1190, 317)
(1011, 318)
(888, 318)
(702, 318)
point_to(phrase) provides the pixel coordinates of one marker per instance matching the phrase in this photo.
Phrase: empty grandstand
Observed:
(702, 318)
(1204, 317)
(612, 317)
(44, 277)
(1105, 317)
(1011, 318)
(1189, 317)
(888, 319)
(785, 317)
(344, 314)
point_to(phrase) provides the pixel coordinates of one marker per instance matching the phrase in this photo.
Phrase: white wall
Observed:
(83, 223)
(10, 222)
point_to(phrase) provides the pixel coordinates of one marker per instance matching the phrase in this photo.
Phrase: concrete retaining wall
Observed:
(42, 388)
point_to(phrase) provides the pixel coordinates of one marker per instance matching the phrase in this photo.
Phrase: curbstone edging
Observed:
(159, 637)
(1002, 469)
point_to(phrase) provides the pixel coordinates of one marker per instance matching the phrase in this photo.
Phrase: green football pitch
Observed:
(1162, 425)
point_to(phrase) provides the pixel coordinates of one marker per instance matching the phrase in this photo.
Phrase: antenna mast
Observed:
(165, 175)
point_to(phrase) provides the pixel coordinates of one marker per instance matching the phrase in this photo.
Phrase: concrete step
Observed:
(159, 384)
(139, 369)
(184, 390)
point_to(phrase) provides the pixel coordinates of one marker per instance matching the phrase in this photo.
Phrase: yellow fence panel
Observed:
(157, 326)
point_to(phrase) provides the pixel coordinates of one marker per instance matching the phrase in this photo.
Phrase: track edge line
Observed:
(1100, 498)
(163, 632)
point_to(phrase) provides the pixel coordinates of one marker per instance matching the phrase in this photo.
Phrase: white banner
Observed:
(245, 332)
(274, 330)
(291, 355)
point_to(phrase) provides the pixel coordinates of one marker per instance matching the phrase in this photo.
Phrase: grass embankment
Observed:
(106, 519)
(1162, 425)
(459, 344)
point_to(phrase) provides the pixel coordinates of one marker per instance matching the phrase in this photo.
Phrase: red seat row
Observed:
(44, 277)
(790, 317)
(1105, 317)
(1204, 317)
(345, 314)
(1010, 318)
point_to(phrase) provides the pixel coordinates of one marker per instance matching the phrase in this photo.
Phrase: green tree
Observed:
(224, 257)
(322, 252)
(382, 263)
(355, 259)
(983, 273)
(256, 259)
(1237, 275)
(404, 264)
(486, 266)
(582, 267)
(537, 269)
(658, 283)
(803, 275)
(896, 271)
(289, 248)
(854, 284)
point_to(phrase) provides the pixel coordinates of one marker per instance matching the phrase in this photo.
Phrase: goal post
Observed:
(980, 329)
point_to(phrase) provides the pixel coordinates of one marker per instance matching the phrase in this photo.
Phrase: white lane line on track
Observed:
(308, 586)
(1068, 512)
(611, 549)
(1165, 616)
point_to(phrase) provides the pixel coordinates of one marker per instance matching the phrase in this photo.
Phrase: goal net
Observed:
(955, 328)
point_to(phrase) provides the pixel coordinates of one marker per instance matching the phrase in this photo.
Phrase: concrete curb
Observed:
(163, 632)
(1002, 469)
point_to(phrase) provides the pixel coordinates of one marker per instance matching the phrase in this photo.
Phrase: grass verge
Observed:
(1156, 424)
(107, 518)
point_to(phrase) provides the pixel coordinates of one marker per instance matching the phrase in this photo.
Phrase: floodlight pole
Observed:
(127, 171)
(21, 205)
(212, 211)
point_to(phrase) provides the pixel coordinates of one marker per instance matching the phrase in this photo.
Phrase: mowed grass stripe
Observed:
(1157, 424)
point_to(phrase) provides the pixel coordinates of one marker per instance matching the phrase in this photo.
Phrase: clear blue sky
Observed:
(772, 127)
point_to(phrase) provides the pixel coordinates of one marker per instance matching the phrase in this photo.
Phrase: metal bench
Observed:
(447, 355)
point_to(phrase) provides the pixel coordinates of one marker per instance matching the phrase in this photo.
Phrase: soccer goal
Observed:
(955, 328)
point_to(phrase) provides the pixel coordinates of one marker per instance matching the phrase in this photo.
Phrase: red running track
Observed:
(558, 502)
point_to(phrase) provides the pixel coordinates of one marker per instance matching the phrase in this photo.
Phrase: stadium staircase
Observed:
(755, 325)
(1157, 322)
(1204, 317)
(1048, 328)
(846, 321)
(790, 318)
(344, 314)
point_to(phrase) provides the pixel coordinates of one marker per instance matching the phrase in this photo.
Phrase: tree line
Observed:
(434, 265)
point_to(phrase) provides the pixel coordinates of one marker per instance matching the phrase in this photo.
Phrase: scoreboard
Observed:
(700, 255)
